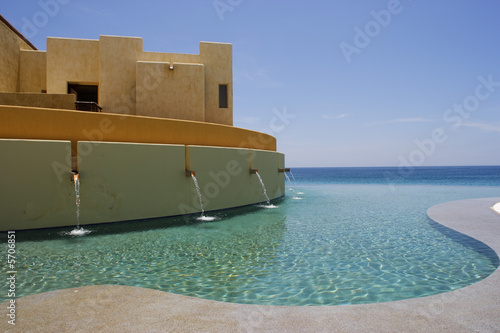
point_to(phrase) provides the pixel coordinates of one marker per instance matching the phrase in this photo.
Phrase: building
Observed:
(117, 75)
(131, 126)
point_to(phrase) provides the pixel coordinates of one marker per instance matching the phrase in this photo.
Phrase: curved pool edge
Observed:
(130, 309)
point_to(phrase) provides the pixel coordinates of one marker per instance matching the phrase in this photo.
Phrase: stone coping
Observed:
(108, 308)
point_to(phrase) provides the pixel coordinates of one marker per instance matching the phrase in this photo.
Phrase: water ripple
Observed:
(343, 245)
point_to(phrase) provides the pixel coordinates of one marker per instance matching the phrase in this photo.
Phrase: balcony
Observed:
(87, 106)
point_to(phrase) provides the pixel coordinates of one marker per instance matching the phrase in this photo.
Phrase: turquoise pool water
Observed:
(326, 244)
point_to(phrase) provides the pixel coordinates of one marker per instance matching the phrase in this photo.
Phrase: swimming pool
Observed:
(326, 244)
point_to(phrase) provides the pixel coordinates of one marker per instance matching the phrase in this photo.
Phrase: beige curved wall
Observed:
(33, 195)
(130, 167)
(50, 124)
(126, 181)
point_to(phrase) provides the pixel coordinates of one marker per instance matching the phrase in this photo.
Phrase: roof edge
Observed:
(14, 30)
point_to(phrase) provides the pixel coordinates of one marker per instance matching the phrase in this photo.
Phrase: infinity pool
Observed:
(325, 244)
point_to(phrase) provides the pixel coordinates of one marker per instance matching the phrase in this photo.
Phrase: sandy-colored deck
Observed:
(475, 308)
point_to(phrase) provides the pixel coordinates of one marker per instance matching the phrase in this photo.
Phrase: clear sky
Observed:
(338, 83)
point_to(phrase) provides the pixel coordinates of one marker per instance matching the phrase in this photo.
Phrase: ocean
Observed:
(448, 175)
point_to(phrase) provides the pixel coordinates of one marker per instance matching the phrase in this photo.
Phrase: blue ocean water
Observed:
(449, 175)
(339, 236)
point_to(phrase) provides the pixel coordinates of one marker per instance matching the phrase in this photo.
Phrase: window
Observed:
(223, 96)
(84, 93)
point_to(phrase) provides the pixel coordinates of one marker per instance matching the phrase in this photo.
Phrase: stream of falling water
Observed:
(269, 205)
(78, 231)
(202, 217)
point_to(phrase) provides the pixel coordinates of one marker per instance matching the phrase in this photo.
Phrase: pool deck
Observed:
(475, 308)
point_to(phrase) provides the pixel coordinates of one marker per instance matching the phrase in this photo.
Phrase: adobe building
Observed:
(133, 125)
(116, 74)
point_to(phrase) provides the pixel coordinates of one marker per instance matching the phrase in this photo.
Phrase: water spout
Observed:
(269, 205)
(284, 171)
(78, 231)
(76, 179)
(198, 191)
(288, 178)
(296, 194)
(192, 175)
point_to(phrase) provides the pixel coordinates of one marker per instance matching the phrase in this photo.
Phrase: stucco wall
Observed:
(49, 124)
(32, 71)
(117, 81)
(130, 81)
(225, 179)
(170, 90)
(218, 61)
(32, 194)
(10, 46)
(170, 57)
(125, 181)
(268, 163)
(56, 101)
(221, 174)
(71, 60)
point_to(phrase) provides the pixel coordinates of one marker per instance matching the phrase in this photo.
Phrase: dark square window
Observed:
(84, 93)
(223, 96)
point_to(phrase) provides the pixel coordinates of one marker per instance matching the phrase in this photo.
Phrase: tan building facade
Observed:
(162, 119)
(115, 73)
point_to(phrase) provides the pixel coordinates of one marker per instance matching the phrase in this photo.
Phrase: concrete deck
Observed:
(128, 309)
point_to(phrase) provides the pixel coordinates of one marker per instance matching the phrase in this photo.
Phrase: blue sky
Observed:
(338, 83)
